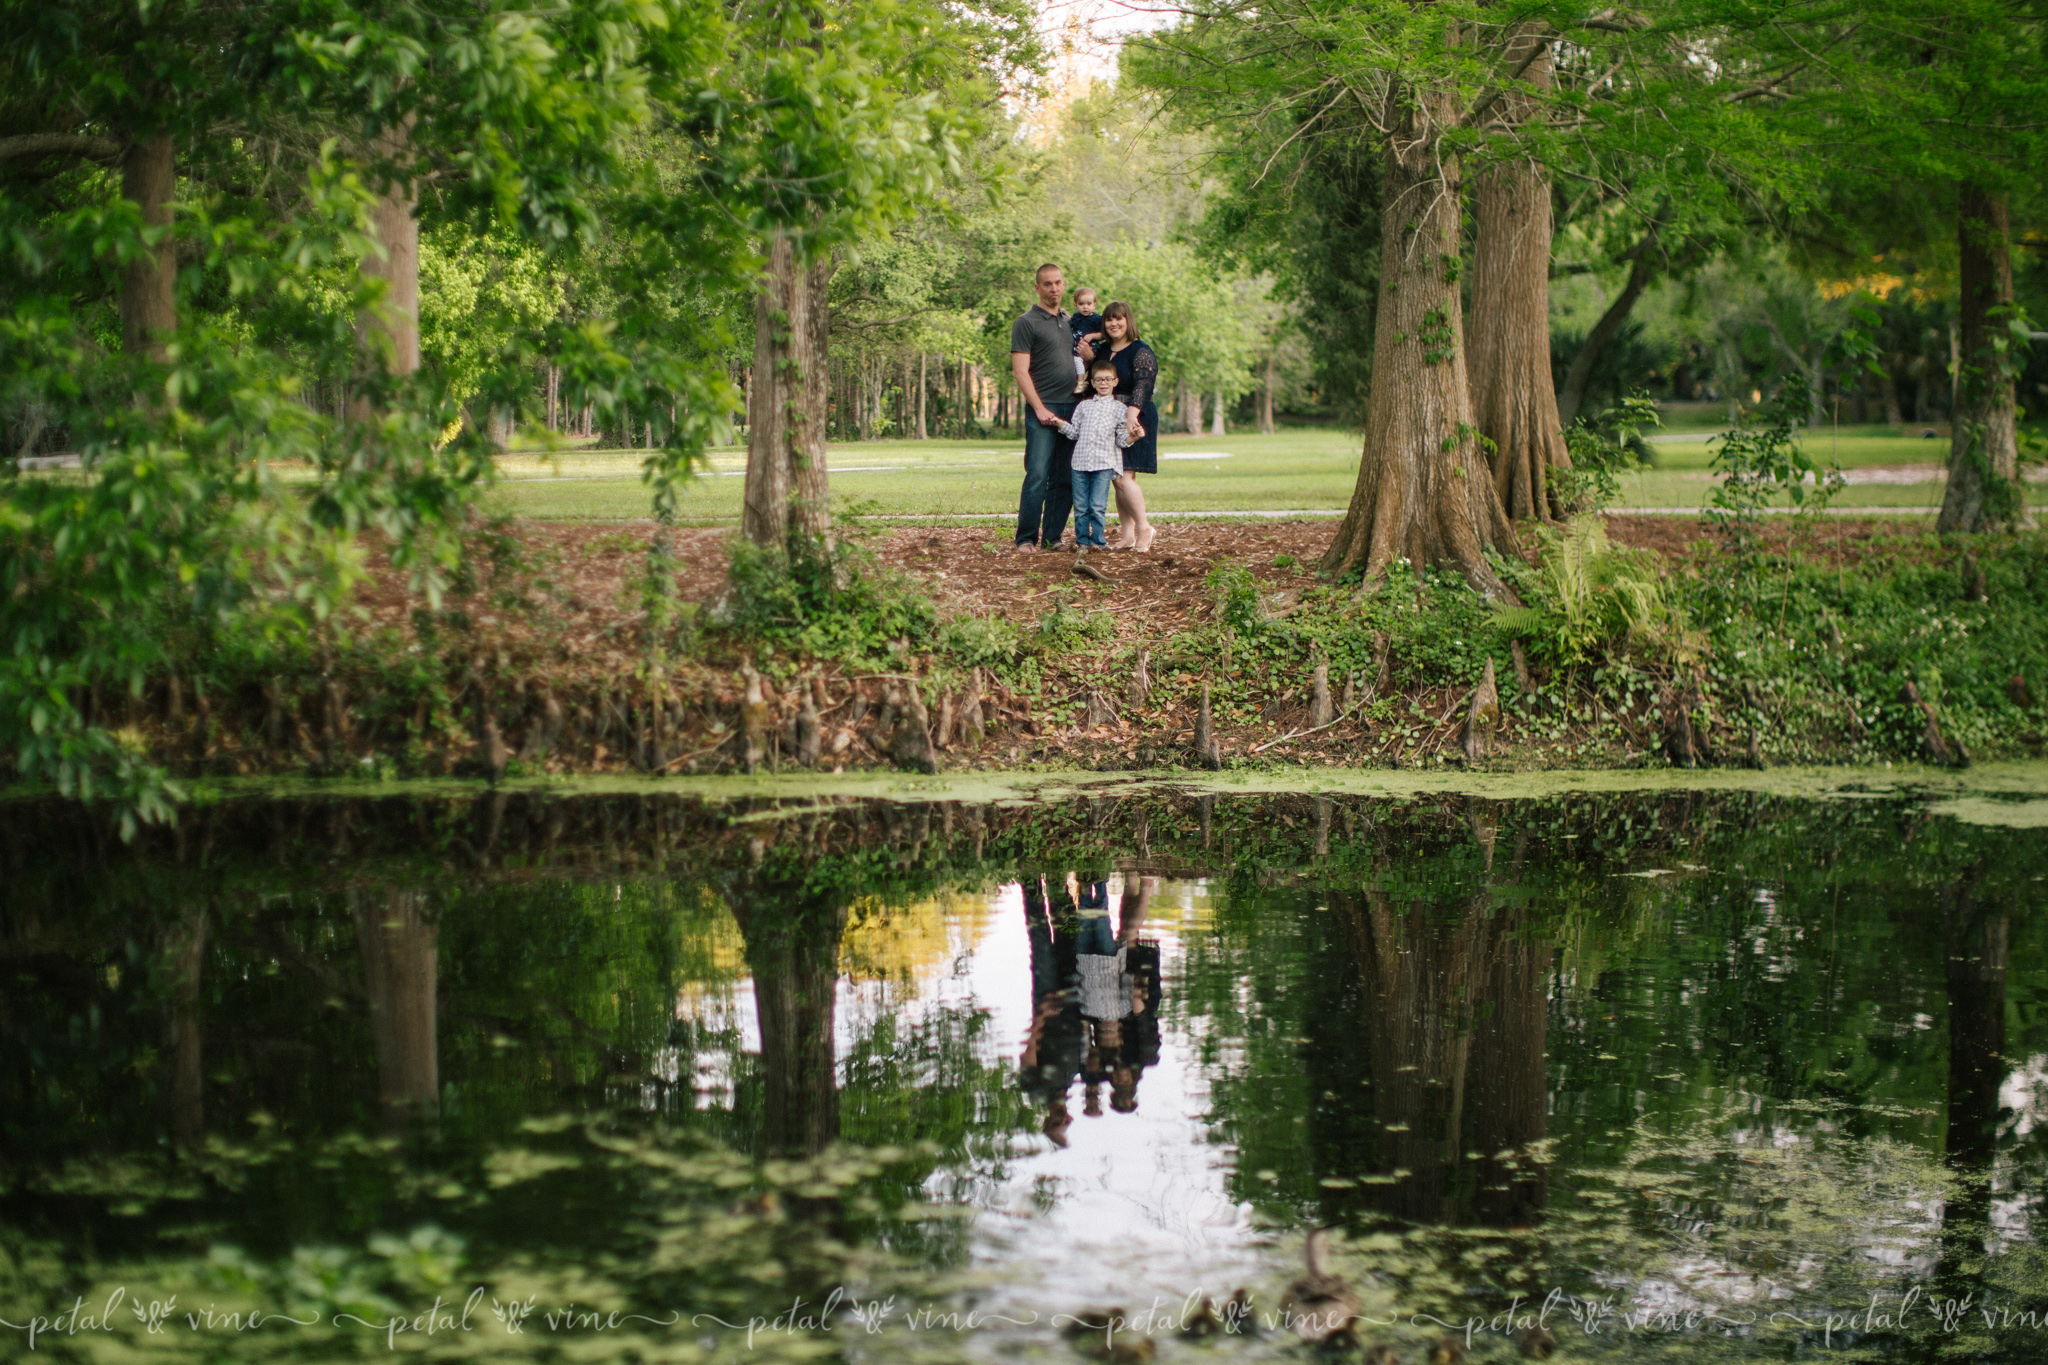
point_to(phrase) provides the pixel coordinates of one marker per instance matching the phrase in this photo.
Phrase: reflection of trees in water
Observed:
(1452, 1000)
(792, 935)
(185, 957)
(327, 962)
(399, 942)
(1740, 1058)
(1976, 927)
(1383, 1025)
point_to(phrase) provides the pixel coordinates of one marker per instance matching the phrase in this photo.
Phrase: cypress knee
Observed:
(1521, 661)
(1482, 717)
(754, 721)
(1100, 712)
(1207, 751)
(911, 746)
(808, 737)
(492, 753)
(1943, 749)
(1974, 588)
(1679, 743)
(973, 724)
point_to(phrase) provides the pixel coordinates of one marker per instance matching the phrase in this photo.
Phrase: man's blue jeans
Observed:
(1048, 496)
(1091, 506)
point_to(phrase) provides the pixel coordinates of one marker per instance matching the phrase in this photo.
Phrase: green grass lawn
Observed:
(1311, 470)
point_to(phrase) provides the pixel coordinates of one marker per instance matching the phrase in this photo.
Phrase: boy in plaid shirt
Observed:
(1099, 430)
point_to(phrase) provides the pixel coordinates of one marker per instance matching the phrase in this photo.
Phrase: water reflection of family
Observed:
(1095, 997)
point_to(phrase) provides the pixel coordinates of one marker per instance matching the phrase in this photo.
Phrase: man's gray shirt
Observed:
(1050, 343)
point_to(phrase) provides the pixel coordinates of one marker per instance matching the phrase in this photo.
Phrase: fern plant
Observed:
(1587, 597)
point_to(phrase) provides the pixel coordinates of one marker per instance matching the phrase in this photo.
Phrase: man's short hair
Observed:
(1039, 274)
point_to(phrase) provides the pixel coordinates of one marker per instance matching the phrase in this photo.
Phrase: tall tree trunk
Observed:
(787, 494)
(149, 301)
(400, 948)
(1266, 400)
(922, 390)
(1190, 406)
(1216, 422)
(1422, 489)
(1983, 458)
(390, 328)
(1642, 268)
(1514, 398)
(1888, 389)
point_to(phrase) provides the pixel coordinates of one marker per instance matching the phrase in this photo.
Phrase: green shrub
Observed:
(1065, 629)
(1603, 448)
(832, 599)
(1758, 460)
(980, 641)
(1899, 617)
(1236, 595)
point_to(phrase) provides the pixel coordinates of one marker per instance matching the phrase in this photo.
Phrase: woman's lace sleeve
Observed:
(1144, 375)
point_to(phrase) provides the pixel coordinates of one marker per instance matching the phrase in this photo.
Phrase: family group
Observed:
(1090, 426)
(1095, 990)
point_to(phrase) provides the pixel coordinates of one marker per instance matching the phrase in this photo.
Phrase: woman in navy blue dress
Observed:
(1137, 373)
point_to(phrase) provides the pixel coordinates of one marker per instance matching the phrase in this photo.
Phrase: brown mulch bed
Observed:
(1158, 593)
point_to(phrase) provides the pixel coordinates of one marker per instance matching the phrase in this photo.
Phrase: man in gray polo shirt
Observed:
(1042, 358)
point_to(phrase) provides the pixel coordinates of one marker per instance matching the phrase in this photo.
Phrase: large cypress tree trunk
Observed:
(149, 308)
(786, 498)
(1514, 402)
(1423, 492)
(1983, 457)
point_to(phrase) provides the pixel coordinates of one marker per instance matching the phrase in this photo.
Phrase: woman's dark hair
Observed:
(1119, 309)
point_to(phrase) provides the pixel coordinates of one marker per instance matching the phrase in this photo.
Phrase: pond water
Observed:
(1638, 1076)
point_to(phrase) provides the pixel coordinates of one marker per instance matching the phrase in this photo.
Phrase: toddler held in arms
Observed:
(1087, 326)
(1099, 429)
